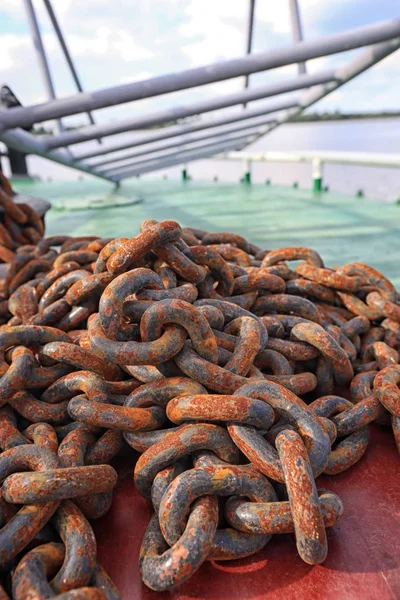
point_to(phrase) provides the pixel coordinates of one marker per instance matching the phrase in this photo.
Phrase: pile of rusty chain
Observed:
(218, 362)
(20, 224)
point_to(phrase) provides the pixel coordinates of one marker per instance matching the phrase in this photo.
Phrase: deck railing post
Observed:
(246, 171)
(317, 166)
(185, 174)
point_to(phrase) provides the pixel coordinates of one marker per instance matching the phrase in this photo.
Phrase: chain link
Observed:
(209, 356)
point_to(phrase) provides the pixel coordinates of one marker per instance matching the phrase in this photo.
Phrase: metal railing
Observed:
(380, 40)
(317, 159)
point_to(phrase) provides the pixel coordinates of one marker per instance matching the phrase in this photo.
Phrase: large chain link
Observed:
(212, 358)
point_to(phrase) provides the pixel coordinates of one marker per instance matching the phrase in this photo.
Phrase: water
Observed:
(378, 135)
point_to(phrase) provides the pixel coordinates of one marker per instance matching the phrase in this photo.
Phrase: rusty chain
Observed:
(217, 361)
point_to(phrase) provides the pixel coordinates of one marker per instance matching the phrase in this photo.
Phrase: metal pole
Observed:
(140, 122)
(26, 142)
(41, 55)
(361, 63)
(177, 160)
(249, 40)
(180, 157)
(297, 29)
(16, 159)
(185, 174)
(66, 53)
(317, 166)
(253, 63)
(196, 138)
(246, 171)
(177, 130)
(234, 139)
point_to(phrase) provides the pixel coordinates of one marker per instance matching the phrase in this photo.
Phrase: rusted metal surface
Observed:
(49, 485)
(306, 512)
(276, 517)
(164, 567)
(210, 357)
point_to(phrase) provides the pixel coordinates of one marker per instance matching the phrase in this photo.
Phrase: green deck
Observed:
(340, 228)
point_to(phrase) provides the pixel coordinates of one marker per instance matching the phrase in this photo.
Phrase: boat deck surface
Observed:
(364, 547)
(341, 228)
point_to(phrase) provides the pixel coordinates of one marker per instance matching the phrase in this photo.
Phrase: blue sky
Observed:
(127, 40)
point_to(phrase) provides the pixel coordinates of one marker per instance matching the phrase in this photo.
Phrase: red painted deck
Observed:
(364, 547)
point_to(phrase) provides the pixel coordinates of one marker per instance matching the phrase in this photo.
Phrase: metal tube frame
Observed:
(242, 136)
(361, 63)
(178, 159)
(371, 56)
(321, 85)
(66, 52)
(26, 142)
(258, 123)
(164, 116)
(253, 63)
(178, 130)
(249, 40)
(297, 30)
(41, 55)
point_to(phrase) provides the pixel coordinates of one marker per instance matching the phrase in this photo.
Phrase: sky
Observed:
(121, 41)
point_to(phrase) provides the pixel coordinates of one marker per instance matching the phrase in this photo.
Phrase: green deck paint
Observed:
(317, 184)
(340, 228)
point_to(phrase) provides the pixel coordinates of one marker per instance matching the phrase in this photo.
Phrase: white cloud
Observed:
(117, 44)
(138, 77)
(126, 47)
(213, 30)
(13, 48)
(275, 15)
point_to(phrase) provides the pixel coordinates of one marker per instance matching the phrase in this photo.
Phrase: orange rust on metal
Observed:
(292, 253)
(276, 517)
(200, 351)
(58, 484)
(315, 335)
(329, 278)
(135, 248)
(307, 517)
(387, 389)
